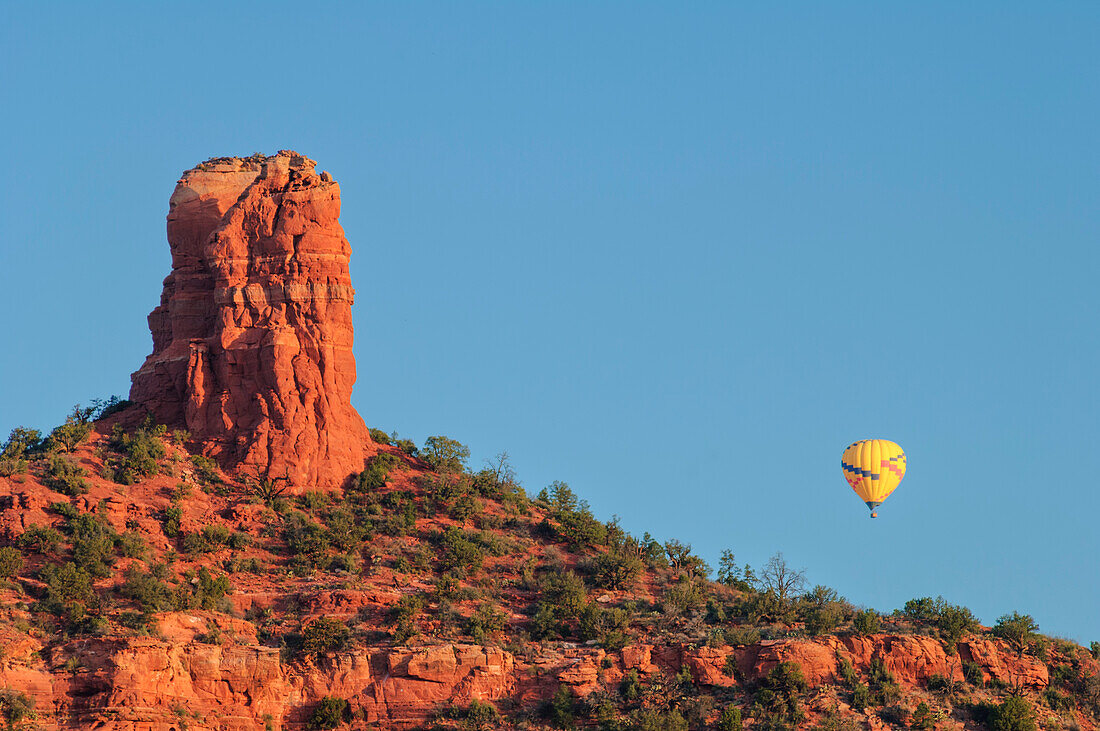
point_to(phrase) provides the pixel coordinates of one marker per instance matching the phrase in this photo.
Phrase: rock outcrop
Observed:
(142, 682)
(252, 340)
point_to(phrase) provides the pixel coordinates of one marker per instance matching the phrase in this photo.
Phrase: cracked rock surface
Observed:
(252, 340)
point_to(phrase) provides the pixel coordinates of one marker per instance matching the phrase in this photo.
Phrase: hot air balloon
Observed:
(874, 468)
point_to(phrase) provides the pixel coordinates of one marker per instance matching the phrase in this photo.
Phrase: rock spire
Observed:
(252, 340)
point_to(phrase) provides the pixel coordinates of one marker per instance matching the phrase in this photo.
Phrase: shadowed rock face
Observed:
(252, 341)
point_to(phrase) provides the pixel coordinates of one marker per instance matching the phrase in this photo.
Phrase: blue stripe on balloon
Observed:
(858, 471)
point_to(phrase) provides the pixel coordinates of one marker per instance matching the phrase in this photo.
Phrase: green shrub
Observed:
(742, 636)
(373, 478)
(216, 535)
(606, 626)
(861, 696)
(11, 562)
(846, 673)
(486, 621)
(565, 592)
(94, 543)
(580, 528)
(323, 635)
(544, 623)
(562, 600)
(151, 594)
(560, 709)
(137, 453)
(68, 590)
(39, 539)
(173, 514)
(649, 719)
(766, 606)
(202, 590)
(407, 446)
(66, 476)
(102, 408)
(1015, 714)
(403, 616)
(1063, 674)
(867, 622)
(786, 678)
(716, 611)
(616, 569)
(497, 480)
(778, 700)
(66, 510)
(21, 443)
(923, 718)
(729, 719)
(458, 553)
(402, 519)
(197, 544)
(378, 436)
(245, 565)
(77, 427)
(1057, 701)
(12, 466)
(443, 490)
(312, 501)
(445, 454)
(481, 716)
(973, 674)
(954, 622)
(130, 545)
(15, 707)
(630, 688)
(924, 609)
(1016, 629)
(346, 531)
(683, 596)
(206, 470)
(307, 542)
(884, 688)
(942, 684)
(238, 540)
(328, 713)
(823, 616)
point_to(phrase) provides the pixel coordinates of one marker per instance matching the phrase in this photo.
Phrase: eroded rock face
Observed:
(252, 341)
(141, 682)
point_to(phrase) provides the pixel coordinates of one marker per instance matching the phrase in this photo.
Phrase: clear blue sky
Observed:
(677, 255)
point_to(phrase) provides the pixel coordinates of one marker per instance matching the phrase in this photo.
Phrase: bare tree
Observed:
(500, 467)
(779, 577)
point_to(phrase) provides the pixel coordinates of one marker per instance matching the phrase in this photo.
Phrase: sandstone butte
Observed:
(252, 356)
(252, 340)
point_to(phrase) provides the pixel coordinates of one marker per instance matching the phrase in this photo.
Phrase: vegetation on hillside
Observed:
(470, 556)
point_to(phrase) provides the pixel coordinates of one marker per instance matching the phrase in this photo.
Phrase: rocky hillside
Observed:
(232, 549)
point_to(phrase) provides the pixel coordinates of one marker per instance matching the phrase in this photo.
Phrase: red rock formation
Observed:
(252, 341)
(911, 659)
(141, 682)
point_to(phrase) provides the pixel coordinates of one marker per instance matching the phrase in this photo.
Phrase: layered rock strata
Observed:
(140, 683)
(252, 340)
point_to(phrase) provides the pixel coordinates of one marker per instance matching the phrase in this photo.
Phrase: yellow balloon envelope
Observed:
(874, 468)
